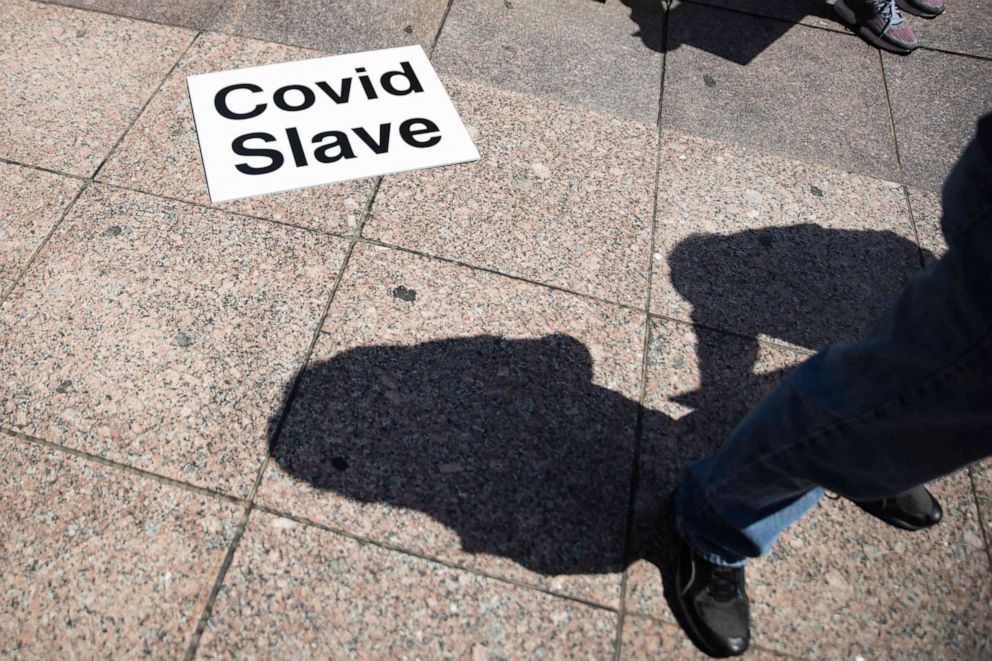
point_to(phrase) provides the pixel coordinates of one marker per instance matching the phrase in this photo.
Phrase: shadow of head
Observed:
(507, 442)
(800, 284)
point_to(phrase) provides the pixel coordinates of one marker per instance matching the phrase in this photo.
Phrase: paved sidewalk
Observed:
(436, 414)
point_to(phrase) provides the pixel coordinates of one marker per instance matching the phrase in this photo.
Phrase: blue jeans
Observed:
(909, 403)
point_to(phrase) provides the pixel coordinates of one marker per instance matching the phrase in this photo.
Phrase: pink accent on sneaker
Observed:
(878, 22)
(902, 33)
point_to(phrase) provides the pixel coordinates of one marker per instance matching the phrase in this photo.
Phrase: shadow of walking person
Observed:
(511, 444)
(801, 285)
(506, 442)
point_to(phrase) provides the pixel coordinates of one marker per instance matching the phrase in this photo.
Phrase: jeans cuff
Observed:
(710, 556)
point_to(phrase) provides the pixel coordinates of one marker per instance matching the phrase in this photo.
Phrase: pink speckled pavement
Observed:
(437, 414)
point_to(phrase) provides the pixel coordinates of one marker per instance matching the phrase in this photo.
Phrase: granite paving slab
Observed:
(926, 216)
(196, 14)
(31, 203)
(782, 88)
(161, 153)
(294, 591)
(841, 583)
(964, 27)
(770, 247)
(335, 26)
(101, 563)
(468, 417)
(644, 638)
(159, 334)
(818, 13)
(838, 583)
(560, 196)
(981, 477)
(700, 384)
(574, 51)
(937, 99)
(73, 81)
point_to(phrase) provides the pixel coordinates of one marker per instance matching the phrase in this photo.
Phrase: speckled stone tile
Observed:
(99, 563)
(73, 81)
(336, 26)
(936, 101)
(294, 591)
(782, 88)
(926, 216)
(841, 584)
(160, 334)
(700, 384)
(161, 153)
(838, 583)
(31, 202)
(560, 196)
(468, 417)
(964, 27)
(981, 477)
(187, 13)
(818, 13)
(574, 51)
(644, 638)
(767, 246)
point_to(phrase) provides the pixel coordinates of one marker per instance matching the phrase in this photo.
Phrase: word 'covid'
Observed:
(242, 101)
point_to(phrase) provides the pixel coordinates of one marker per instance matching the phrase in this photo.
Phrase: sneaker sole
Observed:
(909, 9)
(846, 15)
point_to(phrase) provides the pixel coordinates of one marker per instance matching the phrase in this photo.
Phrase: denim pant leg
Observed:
(910, 403)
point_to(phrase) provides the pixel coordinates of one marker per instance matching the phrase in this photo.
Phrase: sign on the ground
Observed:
(286, 126)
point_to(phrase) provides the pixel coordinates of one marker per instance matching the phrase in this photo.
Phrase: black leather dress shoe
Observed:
(911, 510)
(713, 604)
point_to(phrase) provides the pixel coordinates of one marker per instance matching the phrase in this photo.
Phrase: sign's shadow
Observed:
(510, 443)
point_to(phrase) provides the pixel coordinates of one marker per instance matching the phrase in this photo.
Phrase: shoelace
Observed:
(724, 585)
(890, 12)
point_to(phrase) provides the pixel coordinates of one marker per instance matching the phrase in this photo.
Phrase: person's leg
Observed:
(908, 404)
(867, 420)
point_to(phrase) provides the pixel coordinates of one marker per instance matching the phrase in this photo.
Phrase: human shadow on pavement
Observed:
(732, 36)
(512, 444)
(801, 285)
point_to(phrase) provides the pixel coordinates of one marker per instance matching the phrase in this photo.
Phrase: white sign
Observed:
(297, 124)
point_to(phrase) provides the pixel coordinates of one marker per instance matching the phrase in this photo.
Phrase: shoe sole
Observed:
(918, 12)
(848, 17)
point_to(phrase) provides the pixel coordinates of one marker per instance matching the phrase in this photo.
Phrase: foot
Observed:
(924, 8)
(713, 604)
(911, 510)
(880, 23)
